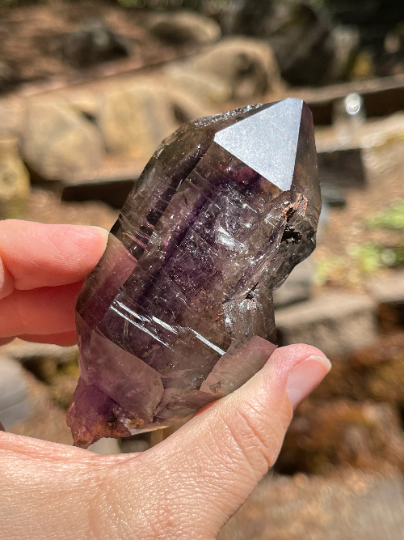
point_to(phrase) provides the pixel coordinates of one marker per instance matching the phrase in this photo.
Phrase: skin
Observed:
(186, 487)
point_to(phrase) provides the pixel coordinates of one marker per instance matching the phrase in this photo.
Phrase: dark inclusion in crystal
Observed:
(179, 310)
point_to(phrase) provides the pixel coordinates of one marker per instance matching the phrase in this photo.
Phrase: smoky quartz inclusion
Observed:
(179, 310)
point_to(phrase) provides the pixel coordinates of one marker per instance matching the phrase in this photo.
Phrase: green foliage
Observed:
(329, 269)
(390, 218)
(372, 256)
(368, 256)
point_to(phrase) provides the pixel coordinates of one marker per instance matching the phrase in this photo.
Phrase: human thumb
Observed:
(196, 479)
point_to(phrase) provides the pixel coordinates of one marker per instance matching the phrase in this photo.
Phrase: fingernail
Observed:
(305, 377)
(2, 427)
(104, 232)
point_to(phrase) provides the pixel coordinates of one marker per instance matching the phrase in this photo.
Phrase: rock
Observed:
(93, 43)
(63, 387)
(349, 505)
(14, 185)
(14, 405)
(389, 294)
(340, 434)
(117, 174)
(12, 117)
(48, 421)
(247, 66)
(336, 323)
(55, 366)
(205, 87)
(26, 352)
(135, 119)
(298, 287)
(188, 258)
(246, 17)
(186, 107)
(86, 103)
(58, 142)
(184, 27)
(302, 42)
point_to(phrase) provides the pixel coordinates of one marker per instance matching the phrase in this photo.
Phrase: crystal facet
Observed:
(179, 310)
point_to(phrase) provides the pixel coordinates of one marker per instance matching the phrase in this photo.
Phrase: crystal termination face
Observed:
(179, 310)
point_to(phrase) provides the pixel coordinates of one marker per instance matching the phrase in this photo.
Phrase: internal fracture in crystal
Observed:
(179, 310)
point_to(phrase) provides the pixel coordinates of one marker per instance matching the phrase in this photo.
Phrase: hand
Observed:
(187, 486)
(42, 268)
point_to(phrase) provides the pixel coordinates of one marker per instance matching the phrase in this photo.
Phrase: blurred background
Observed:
(87, 92)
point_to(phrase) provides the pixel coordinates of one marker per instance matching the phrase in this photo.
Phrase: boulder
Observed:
(12, 116)
(26, 352)
(46, 421)
(135, 119)
(207, 88)
(93, 43)
(184, 27)
(87, 103)
(247, 66)
(186, 107)
(14, 185)
(14, 403)
(58, 142)
(337, 323)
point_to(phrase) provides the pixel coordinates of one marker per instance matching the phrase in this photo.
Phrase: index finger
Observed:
(36, 255)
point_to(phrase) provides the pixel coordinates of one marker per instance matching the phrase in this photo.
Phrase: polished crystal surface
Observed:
(179, 310)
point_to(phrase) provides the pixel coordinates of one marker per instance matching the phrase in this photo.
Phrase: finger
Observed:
(65, 339)
(213, 463)
(49, 310)
(36, 255)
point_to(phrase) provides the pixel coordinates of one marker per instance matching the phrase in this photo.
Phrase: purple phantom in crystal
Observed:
(179, 310)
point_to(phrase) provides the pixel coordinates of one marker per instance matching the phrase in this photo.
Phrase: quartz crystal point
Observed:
(179, 310)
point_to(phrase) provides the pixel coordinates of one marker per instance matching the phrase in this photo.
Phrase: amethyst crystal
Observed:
(179, 309)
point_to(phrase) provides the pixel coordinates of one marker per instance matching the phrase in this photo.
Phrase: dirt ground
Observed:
(32, 38)
(347, 228)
